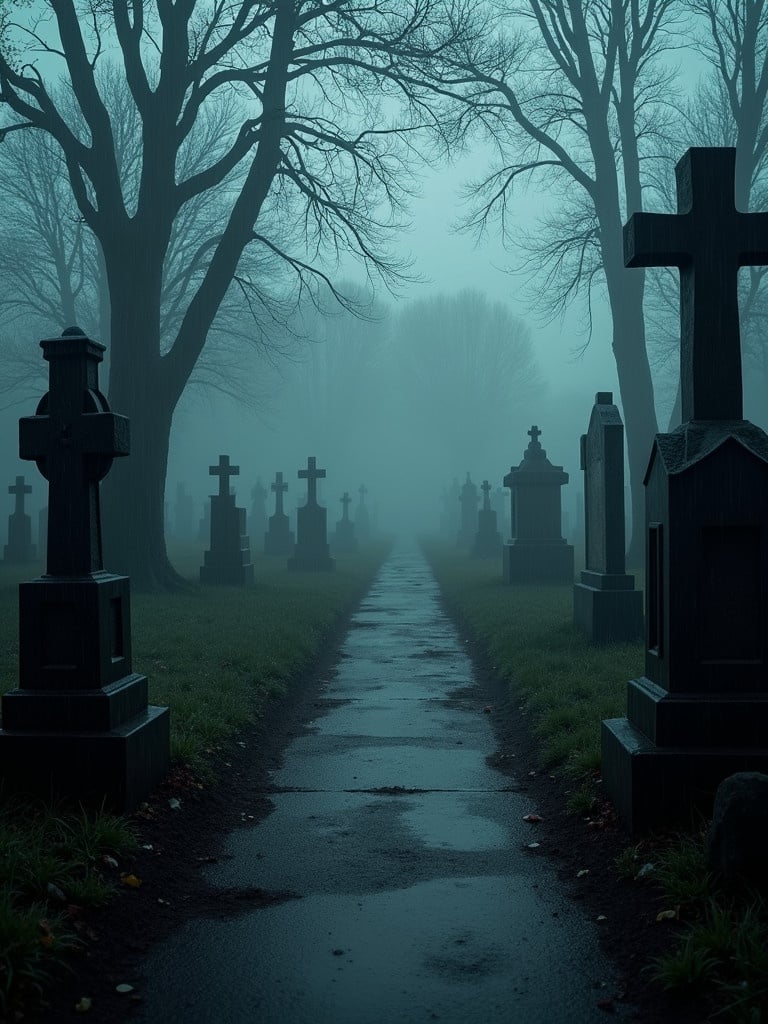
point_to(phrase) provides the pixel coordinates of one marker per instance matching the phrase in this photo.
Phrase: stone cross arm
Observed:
(100, 433)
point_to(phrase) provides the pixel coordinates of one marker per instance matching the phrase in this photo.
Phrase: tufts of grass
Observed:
(583, 800)
(681, 870)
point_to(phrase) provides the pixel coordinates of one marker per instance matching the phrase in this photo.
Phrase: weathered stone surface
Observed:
(737, 841)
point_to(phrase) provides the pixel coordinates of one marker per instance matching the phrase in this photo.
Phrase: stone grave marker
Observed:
(537, 551)
(468, 500)
(184, 514)
(228, 561)
(700, 712)
(344, 538)
(606, 605)
(79, 725)
(312, 552)
(487, 539)
(257, 522)
(362, 518)
(279, 538)
(19, 548)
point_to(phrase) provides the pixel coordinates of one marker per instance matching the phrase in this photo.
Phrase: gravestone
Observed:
(344, 538)
(362, 519)
(279, 536)
(42, 531)
(257, 523)
(79, 725)
(468, 499)
(700, 712)
(228, 561)
(487, 539)
(312, 552)
(537, 552)
(19, 548)
(184, 514)
(606, 605)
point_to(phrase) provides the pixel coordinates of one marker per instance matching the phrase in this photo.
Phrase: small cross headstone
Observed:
(362, 518)
(487, 540)
(228, 561)
(279, 537)
(468, 499)
(79, 725)
(537, 551)
(700, 712)
(312, 550)
(19, 548)
(606, 605)
(344, 538)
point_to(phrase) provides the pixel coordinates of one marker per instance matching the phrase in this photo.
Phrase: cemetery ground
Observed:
(125, 885)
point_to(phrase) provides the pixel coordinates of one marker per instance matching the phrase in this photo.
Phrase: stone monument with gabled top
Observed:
(79, 725)
(700, 712)
(312, 552)
(19, 548)
(606, 605)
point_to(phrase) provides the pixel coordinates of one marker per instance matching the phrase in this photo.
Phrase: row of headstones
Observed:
(228, 560)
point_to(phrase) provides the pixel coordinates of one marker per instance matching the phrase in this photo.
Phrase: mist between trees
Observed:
(179, 178)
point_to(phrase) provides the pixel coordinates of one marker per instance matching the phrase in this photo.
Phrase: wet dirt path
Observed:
(416, 896)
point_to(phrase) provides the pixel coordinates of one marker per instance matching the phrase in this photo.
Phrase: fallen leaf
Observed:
(644, 871)
(162, 902)
(124, 988)
(667, 915)
(532, 817)
(584, 871)
(55, 892)
(147, 846)
(129, 879)
(533, 846)
(601, 917)
(84, 1005)
(109, 861)
(174, 803)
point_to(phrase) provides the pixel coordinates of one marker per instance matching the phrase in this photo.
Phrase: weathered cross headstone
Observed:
(362, 519)
(537, 551)
(184, 514)
(228, 561)
(312, 552)
(468, 499)
(79, 725)
(344, 538)
(19, 548)
(606, 605)
(700, 712)
(279, 538)
(257, 521)
(487, 539)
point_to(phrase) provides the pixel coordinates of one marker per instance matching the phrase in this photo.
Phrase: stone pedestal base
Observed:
(538, 563)
(653, 786)
(226, 572)
(607, 607)
(344, 538)
(311, 561)
(19, 548)
(119, 767)
(312, 553)
(279, 540)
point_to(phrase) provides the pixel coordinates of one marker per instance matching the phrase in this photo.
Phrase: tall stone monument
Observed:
(344, 538)
(700, 712)
(229, 559)
(312, 552)
(19, 548)
(468, 500)
(537, 551)
(606, 605)
(279, 536)
(79, 724)
(487, 539)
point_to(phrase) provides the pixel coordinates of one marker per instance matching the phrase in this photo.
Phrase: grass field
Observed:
(216, 656)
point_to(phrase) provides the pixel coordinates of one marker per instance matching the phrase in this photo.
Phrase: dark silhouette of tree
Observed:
(331, 100)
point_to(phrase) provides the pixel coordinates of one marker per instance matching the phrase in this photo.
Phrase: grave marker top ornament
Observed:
(279, 488)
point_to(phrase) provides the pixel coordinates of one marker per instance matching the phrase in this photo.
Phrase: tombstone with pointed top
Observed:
(606, 605)
(257, 521)
(228, 561)
(184, 514)
(79, 725)
(487, 539)
(700, 712)
(344, 538)
(537, 551)
(279, 539)
(362, 518)
(19, 548)
(468, 500)
(312, 552)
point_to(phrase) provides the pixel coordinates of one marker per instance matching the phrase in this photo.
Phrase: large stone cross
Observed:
(345, 500)
(708, 239)
(311, 474)
(279, 488)
(19, 489)
(486, 489)
(73, 438)
(224, 471)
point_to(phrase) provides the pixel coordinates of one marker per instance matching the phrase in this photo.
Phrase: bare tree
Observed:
(311, 78)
